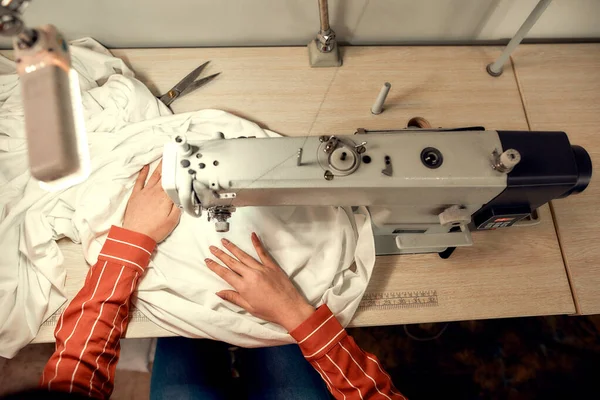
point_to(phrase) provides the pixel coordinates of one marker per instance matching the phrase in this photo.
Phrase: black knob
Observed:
(431, 157)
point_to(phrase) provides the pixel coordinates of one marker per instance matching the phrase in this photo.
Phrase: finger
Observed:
(226, 274)
(139, 182)
(156, 175)
(231, 262)
(263, 254)
(240, 254)
(174, 215)
(159, 193)
(235, 298)
(175, 212)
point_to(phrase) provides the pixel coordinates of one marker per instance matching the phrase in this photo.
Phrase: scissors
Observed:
(187, 85)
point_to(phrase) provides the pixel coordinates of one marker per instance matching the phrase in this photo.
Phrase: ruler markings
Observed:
(399, 299)
(370, 301)
(135, 315)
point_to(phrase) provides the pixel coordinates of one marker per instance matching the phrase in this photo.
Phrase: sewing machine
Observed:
(425, 189)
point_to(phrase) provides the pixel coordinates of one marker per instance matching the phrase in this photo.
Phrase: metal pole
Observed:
(378, 105)
(495, 69)
(324, 15)
(323, 51)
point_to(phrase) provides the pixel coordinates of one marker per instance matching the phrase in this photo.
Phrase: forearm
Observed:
(348, 371)
(88, 332)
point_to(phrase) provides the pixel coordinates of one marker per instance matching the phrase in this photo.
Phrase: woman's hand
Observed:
(261, 288)
(150, 210)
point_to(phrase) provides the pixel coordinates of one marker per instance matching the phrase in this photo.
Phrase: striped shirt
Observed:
(88, 332)
(349, 372)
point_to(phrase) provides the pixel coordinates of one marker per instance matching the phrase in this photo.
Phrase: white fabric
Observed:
(127, 127)
(315, 246)
(136, 354)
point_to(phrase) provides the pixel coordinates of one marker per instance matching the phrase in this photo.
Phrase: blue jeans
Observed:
(204, 369)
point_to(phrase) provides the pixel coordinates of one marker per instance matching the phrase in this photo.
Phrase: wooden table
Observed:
(560, 85)
(516, 272)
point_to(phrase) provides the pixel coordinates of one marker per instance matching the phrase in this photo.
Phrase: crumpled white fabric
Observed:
(127, 127)
(316, 246)
(117, 108)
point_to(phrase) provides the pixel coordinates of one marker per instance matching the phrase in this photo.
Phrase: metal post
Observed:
(324, 15)
(496, 68)
(323, 51)
(326, 36)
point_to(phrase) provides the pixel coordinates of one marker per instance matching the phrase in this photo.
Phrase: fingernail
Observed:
(207, 260)
(254, 236)
(225, 241)
(212, 248)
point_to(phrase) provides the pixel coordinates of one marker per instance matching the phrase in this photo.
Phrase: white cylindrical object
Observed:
(495, 69)
(184, 148)
(378, 106)
(510, 158)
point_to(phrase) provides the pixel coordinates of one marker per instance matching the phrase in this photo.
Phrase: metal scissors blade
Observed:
(198, 84)
(187, 85)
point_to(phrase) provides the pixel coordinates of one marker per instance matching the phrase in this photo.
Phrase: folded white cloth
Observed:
(127, 127)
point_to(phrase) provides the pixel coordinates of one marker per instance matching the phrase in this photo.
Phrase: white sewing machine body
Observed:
(425, 189)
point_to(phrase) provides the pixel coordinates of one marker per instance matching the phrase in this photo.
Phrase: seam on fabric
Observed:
(328, 343)
(315, 330)
(122, 259)
(129, 244)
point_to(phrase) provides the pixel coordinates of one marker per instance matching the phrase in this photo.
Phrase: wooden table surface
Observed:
(507, 273)
(560, 85)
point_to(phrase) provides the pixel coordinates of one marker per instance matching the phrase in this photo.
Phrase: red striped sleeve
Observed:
(128, 248)
(349, 372)
(88, 332)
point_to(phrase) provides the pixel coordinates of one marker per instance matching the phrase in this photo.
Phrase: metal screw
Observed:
(328, 175)
(506, 161)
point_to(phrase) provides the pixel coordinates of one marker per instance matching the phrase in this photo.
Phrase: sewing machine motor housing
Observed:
(426, 190)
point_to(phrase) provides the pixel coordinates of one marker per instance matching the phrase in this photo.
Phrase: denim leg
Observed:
(190, 369)
(275, 373)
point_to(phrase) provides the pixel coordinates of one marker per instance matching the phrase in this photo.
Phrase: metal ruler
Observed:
(392, 300)
(135, 315)
(370, 301)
